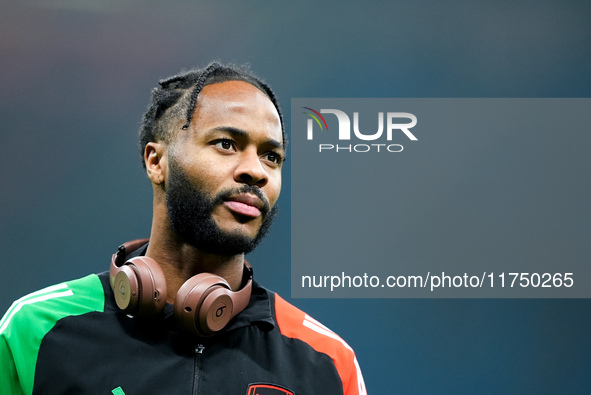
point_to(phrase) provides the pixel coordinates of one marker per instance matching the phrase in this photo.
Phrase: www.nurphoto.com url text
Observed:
(442, 280)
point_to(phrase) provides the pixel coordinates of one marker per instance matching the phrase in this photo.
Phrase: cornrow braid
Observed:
(198, 87)
(175, 99)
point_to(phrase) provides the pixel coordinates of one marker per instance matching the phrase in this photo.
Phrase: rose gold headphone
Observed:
(203, 305)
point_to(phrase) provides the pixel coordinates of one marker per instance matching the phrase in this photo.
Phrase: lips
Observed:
(245, 204)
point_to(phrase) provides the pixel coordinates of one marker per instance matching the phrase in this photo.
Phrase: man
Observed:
(180, 313)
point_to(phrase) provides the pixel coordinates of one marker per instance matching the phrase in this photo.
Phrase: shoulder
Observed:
(296, 324)
(30, 318)
(55, 302)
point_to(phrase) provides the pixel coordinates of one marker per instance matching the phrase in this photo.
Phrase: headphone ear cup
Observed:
(126, 289)
(140, 287)
(203, 305)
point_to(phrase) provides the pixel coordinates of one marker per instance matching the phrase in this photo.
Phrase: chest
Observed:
(102, 354)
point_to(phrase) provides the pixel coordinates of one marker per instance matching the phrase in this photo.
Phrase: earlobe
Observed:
(155, 160)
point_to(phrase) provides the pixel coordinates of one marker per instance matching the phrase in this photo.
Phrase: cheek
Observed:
(274, 191)
(208, 174)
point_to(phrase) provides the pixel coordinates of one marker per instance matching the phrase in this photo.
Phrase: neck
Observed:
(180, 261)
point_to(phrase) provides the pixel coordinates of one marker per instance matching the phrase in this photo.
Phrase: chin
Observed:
(244, 226)
(241, 231)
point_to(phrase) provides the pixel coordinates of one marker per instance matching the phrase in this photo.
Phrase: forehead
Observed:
(237, 104)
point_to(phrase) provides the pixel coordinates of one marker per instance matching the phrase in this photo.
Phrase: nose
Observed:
(250, 170)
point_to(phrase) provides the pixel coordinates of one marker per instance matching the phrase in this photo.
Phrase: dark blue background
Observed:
(75, 77)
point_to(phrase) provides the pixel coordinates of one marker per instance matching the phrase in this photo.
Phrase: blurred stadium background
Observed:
(75, 76)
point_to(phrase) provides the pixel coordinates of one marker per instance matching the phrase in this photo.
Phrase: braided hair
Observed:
(174, 100)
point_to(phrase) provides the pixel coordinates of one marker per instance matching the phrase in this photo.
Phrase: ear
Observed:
(156, 161)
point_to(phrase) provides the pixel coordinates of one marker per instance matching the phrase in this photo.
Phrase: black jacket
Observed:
(72, 339)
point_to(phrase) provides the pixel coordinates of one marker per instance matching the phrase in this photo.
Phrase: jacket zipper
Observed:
(196, 372)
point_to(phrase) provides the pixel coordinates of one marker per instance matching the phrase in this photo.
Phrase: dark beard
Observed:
(190, 209)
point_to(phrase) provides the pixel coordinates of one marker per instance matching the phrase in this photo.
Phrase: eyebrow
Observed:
(244, 134)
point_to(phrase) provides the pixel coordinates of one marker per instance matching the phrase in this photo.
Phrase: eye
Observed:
(224, 144)
(274, 157)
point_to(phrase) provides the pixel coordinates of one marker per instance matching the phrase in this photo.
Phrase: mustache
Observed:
(252, 189)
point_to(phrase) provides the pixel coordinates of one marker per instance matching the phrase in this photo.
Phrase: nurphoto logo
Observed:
(396, 122)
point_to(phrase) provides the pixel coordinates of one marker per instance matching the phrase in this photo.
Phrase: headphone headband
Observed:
(118, 258)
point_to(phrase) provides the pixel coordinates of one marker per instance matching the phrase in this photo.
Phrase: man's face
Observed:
(224, 172)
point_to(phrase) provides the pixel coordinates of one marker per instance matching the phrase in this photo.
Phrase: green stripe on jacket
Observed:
(30, 318)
